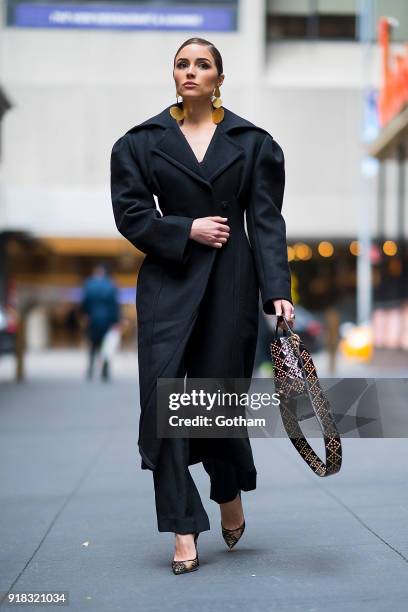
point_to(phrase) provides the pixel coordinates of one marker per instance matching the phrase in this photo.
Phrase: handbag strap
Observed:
(321, 408)
(284, 331)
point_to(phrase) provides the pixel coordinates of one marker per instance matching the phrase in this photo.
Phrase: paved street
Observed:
(77, 512)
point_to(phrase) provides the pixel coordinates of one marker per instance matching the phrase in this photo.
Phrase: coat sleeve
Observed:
(266, 226)
(135, 212)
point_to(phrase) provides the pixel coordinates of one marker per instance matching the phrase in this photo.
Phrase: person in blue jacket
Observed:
(100, 303)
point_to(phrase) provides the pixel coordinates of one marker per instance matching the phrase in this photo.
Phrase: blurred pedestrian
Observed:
(100, 304)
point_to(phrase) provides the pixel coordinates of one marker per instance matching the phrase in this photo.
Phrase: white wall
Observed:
(313, 93)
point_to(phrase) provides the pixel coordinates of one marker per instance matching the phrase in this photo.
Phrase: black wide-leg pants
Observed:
(178, 504)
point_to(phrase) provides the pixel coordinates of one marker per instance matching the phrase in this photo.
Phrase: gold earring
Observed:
(177, 111)
(218, 112)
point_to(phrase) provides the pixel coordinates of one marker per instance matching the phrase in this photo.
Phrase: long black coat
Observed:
(244, 178)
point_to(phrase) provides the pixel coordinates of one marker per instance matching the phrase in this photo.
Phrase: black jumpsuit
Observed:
(228, 461)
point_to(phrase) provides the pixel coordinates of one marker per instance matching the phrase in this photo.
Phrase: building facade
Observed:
(294, 67)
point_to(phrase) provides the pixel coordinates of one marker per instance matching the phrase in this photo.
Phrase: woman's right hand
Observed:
(212, 231)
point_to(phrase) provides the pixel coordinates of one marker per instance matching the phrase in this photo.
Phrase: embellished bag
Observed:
(295, 377)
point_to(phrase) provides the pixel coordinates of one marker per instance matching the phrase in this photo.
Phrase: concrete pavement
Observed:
(77, 512)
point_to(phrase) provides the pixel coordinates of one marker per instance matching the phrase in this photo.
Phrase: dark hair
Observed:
(213, 50)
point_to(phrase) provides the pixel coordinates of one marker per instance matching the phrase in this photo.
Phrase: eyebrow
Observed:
(198, 58)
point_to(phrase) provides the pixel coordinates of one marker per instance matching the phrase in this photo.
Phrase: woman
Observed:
(198, 286)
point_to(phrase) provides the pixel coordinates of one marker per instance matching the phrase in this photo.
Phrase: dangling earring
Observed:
(177, 111)
(218, 112)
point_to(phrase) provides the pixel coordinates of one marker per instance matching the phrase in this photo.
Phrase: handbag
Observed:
(295, 376)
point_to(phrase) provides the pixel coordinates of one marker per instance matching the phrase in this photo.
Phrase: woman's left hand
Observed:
(287, 309)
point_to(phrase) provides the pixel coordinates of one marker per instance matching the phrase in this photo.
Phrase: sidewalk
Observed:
(71, 363)
(67, 364)
(78, 512)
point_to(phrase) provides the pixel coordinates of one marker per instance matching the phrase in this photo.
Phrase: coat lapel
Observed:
(174, 147)
(223, 151)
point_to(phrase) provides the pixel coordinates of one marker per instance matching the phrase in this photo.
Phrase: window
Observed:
(312, 19)
(330, 19)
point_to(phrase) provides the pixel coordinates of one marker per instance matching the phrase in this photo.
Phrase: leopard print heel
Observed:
(188, 565)
(230, 536)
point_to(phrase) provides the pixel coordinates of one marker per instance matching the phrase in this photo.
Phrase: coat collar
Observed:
(223, 150)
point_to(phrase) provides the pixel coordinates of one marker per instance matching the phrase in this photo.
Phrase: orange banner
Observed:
(393, 95)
